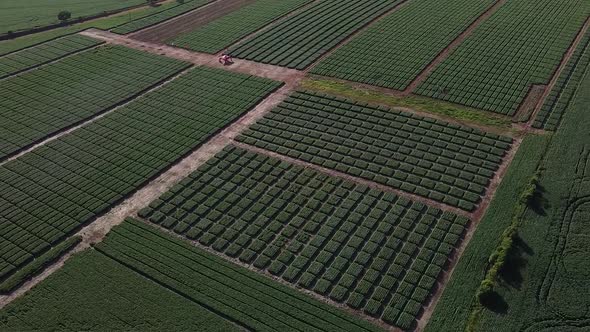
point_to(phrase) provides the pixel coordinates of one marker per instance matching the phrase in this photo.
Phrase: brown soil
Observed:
(529, 104)
(451, 47)
(188, 21)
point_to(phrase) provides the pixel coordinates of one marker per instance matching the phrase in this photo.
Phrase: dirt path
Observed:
(195, 18)
(241, 66)
(451, 47)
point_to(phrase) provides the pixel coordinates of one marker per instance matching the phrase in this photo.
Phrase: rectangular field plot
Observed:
(519, 45)
(392, 52)
(40, 102)
(11, 64)
(255, 302)
(50, 191)
(158, 17)
(372, 250)
(223, 32)
(445, 162)
(301, 39)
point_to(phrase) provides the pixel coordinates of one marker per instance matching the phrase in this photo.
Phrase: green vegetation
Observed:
(415, 103)
(252, 300)
(74, 89)
(559, 98)
(459, 298)
(372, 250)
(393, 51)
(226, 30)
(18, 15)
(44, 53)
(428, 157)
(92, 292)
(496, 65)
(160, 16)
(298, 41)
(48, 193)
(38, 264)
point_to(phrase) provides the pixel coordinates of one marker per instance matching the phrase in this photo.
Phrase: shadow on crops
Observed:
(495, 302)
(516, 261)
(538, 203)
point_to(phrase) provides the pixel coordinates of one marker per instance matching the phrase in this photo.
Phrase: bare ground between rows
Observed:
(452, 46)
(186, 22)
(527, 107)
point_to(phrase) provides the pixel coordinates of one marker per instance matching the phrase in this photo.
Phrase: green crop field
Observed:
(50, 192)
(392, 52)
(372, 250)
(25, 14)
(494, 68)
(159, 16)
(445, 162)
(64, 93)
(301, 39)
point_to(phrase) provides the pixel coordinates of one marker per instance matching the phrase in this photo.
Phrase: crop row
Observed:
(257, 302)
(392, 52)
(445, 162)
(223, 32)
(519, 45)
(53, 97)
(43, 53)
(301, 39)
(372, 250)
(161, 16)
(558, 99)
(50, 191)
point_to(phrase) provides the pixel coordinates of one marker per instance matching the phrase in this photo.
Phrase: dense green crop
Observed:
(74, 89)
(44, 53)
(372, 250)
(221, 33)
(432, 158)
(50, 191)
(392, 52)
(92, 292)
(558, 99)
(301, 39)
(494, 68)
(160, 16)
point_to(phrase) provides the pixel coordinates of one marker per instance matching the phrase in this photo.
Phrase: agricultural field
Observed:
(442, 161)
(393, 51)
(298, 41)
(73, 89)
(495, 67)
(223, 32)
(50, 192)
(40, 13)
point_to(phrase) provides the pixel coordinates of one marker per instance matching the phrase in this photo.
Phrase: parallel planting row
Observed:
(252, 300)
(164, 15)
(445, 162)
(50, 191)
(225, 31)
(519, 45)
(301, 39)
(372, 250)
(53, 97)
(559, 98)
(392, 52)
(43, 53)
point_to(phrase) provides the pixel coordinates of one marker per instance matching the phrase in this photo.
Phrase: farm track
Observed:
(451, 47)
(163, 31)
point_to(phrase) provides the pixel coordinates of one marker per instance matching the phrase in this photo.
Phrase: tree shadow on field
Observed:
(495, 303)
(516, 261)
(538, 203)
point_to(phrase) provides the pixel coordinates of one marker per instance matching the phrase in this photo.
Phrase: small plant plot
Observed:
(49, 192)
(448, 163)
(519, 45)
(372, 250)
(40, 102)
(300, 40)
(223, 32)
(43, 53)
(164, 15)
(392, 52)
